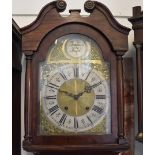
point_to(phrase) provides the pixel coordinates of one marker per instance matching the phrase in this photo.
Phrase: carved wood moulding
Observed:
(99, 19)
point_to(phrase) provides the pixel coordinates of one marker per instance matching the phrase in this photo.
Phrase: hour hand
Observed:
(67, 93)
(76, 97)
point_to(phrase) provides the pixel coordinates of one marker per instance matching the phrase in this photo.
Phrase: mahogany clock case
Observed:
(111, 37)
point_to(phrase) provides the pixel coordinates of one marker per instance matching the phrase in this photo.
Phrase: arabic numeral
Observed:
(100, 89)
(69, 121)
(93, 79)
(58, 79)
(69, 74)
(51, 103)
(83, 121)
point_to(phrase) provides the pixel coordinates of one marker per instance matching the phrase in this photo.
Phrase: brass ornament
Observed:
(89, 6)
(61, 5)
(139, 137)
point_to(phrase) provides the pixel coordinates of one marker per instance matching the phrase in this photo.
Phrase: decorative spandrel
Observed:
(74, 88)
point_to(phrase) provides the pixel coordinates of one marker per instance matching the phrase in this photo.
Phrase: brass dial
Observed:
(73, 99)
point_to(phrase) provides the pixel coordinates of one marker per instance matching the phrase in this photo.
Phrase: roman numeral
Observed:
(89, 120)
(53, 86)
(76, 72)
(100, 97)
(63, 76)
(54, 109)
(63, 119)
(50, 97)
(75, 123)
(97, 109)
(83, 121)
(88, 74)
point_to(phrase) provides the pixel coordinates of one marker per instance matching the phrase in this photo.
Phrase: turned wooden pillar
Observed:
(28, 106)
(120, 99)
(137, 22)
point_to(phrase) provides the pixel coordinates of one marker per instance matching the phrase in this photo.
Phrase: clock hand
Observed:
(76, 97)
(71, 95)
(67, 93)
(89, 88)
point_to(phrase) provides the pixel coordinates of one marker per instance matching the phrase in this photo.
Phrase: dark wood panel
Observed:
(16, 90)
(129, 103)
(79, 153)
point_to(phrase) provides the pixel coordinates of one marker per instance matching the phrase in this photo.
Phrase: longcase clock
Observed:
(74, 83)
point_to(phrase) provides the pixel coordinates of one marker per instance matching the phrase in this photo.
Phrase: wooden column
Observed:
(28, 104)
(120, 98)
(137, 22)
(139, 63)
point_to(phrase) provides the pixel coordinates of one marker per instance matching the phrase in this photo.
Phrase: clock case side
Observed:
(33, 42)
(16, 88)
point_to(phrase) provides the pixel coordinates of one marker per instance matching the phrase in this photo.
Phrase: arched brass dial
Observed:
(75, 92)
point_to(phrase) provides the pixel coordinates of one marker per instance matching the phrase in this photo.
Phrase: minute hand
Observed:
(89, 88)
